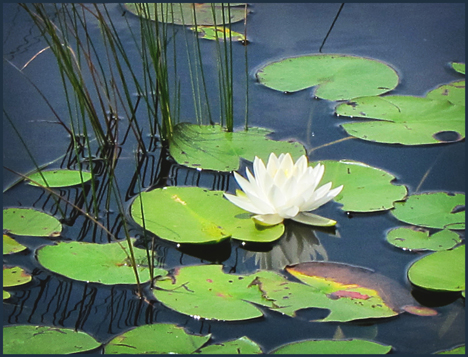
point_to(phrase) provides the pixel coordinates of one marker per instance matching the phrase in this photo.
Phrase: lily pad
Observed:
(440, 271)
(197, 215)
(419, 239)
(98, 263)
(29, 339)
(453, 92)
(30, 222)
(453, 351)
(459, 67)
(59, 178)
(15, 276)
(6, 295)
(218, 33)
(11, 246)
(351, 346)
(156, 339)
(211, 147)
(337, 77)
(433, 210)
(365, 188)
(242, 345)
(405, 120)
(183, 13)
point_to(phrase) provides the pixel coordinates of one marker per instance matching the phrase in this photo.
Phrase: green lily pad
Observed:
(182, 13)
(11, 246)
(337, 77)
(197, 215)
(28, 340)
(6, 295)
(453, 92)
(453, 351)
(97, 263)
(156, 339)
(29, 222)
(211, 147)
(419, 239)
(242, 345)
(459, 67)
(59, 178)
(351, 346)
(15, 276)
(218, 33)
(404, 120)
(433, 210)
(440, 271)
(365, 188)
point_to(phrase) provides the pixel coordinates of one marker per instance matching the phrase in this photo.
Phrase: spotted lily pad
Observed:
(419, 239)
(29, 339)
(183, 13)
(15, 276)
(211, 147)
(342, 347)
(242, 345)
(196, 215)
(433, 210)
(337, 77)
(59, 178)
(453, 92)
(156, 339)
(404, 120)
(98, 263)
(365, 188)
(30, 222)
(218, 33)
(440, 271)
(11, 246)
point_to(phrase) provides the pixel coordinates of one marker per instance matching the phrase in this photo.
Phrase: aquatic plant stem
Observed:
(331, 27)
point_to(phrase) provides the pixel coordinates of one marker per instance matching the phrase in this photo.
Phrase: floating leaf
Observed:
(156, 339)
(15, 276)
(337, 77)
(218, 33)
(440, 271)
(453, 92)
(433, 210)
(6, 295)
(242, 345)
(28, 339)
(365, 188)
(211, 147)
(196, 215)
(29, 222)
(459, 67)
(98, 263)
(351, 346)
(59, 178)
(183, 13)
(11, 246)
(454, 351)
(404, 120)
(418, 239)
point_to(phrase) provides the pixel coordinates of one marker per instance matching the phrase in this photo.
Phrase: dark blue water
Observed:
(418, 40)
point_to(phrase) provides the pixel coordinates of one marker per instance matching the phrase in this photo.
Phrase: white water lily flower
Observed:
(284, 190)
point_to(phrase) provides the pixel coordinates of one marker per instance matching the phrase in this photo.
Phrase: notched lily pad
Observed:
(337, 77)
(11, 246)
(15, 276)
(453, 92)
(59, 178)
(342, 347)
(419, 239)
(242, 345)
(30, 222)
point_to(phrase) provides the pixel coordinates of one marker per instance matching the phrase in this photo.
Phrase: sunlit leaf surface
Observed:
(59, 178)
(404, 120)
(440, 271)
(197, 215)
(337, 77)
(365, 188)
(459, 67)
(15, 276)
(453, 92)
(29, 222)
(156, 339)
(99, 263)
(433, 210)
(242, 345)
(218, 33)
(419, 239)
(29, 339)
(6, 295)
(11, 246)
(211, 147)
(345, 347)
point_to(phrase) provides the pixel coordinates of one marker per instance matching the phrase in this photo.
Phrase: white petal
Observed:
(287, 164)
(243, 202)
(267, 219)
(314, 220)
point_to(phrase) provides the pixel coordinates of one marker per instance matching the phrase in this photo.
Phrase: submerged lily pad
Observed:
(459, 67)
(412, 239)
(337, 77)
(440, 271)
(29, 339)
(15, 276)
(365, 188)
(433, 210)
(183, 13)
(59, 178)
(11, 246)
(453, 92)
(242, 345)
(404, 120)
(345, 347)
(197, 215)
(211, 147)
(156, 339)
(29, 222)
(218, 33)
(98, 263)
